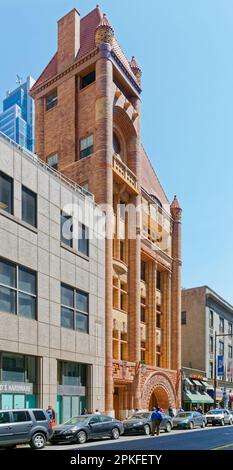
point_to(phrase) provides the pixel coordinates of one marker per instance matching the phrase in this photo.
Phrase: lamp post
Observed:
(215, 361)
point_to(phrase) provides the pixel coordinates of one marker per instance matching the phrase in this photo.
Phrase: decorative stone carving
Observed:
(104, 33)
(161, 381)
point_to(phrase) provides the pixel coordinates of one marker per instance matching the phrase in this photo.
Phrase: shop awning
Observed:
(197, 398)
(205, 383)
(197, 382)
(188, 381)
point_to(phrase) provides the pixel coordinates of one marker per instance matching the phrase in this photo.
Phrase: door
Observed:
(107, 425)
(19, 401)
(22, 425)
(5, 428)
(96, 427)
(66, 408)
(74, 406)
(7, 401)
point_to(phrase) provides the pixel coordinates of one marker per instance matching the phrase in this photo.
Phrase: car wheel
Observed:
(191, 425)
(38, 440)
(81, 437)
(230, 422)
(168, 427)
(147, 429)
(222, 422)
(115, 433)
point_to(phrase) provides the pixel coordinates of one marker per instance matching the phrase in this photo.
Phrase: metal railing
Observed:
(40, 163)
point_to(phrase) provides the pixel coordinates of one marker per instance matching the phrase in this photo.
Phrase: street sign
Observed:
(220, 365)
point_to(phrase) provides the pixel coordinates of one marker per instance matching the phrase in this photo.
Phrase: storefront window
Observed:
(13, 369)
(73, 374)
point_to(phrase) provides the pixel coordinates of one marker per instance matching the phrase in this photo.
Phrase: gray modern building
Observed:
(18, 116)
(207, 317)
(52, 269)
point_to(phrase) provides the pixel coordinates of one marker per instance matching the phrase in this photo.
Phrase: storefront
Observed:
(195, 393)
(71, 390)
(18, 381)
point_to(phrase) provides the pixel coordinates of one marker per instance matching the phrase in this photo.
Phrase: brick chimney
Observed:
(68, 39)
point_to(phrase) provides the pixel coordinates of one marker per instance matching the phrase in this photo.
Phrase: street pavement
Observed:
(210, 438)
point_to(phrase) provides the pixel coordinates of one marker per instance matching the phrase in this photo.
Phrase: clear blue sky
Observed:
(185, 49)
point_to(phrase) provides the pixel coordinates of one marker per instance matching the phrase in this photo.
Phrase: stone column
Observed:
(39, 127)
(176, 287)
(134, 263)
(166, 320)
(104, 192)
(151, 317)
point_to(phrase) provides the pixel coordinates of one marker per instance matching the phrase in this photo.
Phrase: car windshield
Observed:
(183, 415)
(140, 416)
(216, 412)
(77, 419)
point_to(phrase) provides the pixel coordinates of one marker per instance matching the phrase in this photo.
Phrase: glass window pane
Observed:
(66, 229)
(82, 301)
(4, 417)
(7, 300)
(27, 306)
(7, 274)
(13, 368)
(67, 318)
(67, 296)
(27, 280)
(6, 193)
(83, 239)
(21, 416)
(29, 207)
(81, 322)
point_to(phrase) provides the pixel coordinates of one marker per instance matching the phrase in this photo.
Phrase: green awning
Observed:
(188, 381)
(197, 397)
(197, 382)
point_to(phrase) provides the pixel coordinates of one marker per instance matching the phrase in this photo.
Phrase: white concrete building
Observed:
(52, 314)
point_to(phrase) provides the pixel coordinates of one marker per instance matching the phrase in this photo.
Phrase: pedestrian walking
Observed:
(171, 412)
(51, 414)
(156, 418)
(200, 410)
(84, 412)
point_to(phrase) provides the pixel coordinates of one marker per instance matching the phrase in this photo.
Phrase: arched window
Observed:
(116, 144)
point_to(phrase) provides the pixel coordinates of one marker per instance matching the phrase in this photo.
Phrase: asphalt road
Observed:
(211, 438)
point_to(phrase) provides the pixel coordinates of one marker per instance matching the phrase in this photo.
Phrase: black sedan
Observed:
(79, 429)
(140, 423)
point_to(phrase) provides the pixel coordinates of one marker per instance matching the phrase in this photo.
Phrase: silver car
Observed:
(26, 426)
(189, 420)
(219, 416)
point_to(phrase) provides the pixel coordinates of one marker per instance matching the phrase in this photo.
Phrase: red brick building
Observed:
(88, 126)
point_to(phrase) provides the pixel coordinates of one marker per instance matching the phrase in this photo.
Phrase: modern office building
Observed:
(17, 118)
(204, 315)
(52, 313)
(88, 116)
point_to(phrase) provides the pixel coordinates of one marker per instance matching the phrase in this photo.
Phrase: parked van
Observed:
(26, 426)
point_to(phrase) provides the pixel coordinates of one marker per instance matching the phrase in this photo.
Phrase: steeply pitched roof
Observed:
(150, 181)
(88, 25)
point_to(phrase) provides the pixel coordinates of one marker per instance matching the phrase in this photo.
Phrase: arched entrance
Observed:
(159, 397)
(159, 391)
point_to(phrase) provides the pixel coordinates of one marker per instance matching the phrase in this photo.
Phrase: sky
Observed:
(185, 50)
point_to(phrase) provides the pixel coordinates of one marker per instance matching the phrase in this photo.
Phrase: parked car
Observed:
(189, 420)
(79, 429)
(140, 423)
(219, 416)
(32, 426)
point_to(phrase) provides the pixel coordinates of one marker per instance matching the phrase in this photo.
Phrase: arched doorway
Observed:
(159, 398)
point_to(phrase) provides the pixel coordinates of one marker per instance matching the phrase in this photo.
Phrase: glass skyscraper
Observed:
(17, 118)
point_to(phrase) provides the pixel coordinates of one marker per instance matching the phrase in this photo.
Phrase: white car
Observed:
(219, 416)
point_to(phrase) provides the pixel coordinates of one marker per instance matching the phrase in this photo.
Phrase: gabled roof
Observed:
(88, 25)
(150, 181)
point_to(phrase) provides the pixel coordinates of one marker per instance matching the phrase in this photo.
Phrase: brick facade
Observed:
(142, 357)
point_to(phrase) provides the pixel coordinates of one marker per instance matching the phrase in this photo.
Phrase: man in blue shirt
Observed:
(156, 418)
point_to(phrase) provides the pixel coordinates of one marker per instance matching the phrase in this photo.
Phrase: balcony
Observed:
(120, 266)
(122, 174)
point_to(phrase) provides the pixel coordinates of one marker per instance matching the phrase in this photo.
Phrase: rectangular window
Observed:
(143, 351)
(53, 161)
(211, 367)
(74, 309)
(4, 417)
(158, 362)
(21, 416)
(143, 270)
(221, 325)
(87, 79)
(158, 281)
(221, 348)
(143, 313)
(211, 344)
(230, 328)
(6, 193)
(18, 290)
(229, 351)
(51, 100)
(158, 320)
(66, 229)
(29, 206)
(211, 319)
(83, 239)
(183, 318)
(86, 146)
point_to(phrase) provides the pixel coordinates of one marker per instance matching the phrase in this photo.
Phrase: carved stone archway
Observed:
(158, 390)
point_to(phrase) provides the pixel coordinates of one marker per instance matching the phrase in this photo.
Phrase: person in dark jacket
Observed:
(51, 413)
(171, 412)
(156, 418)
